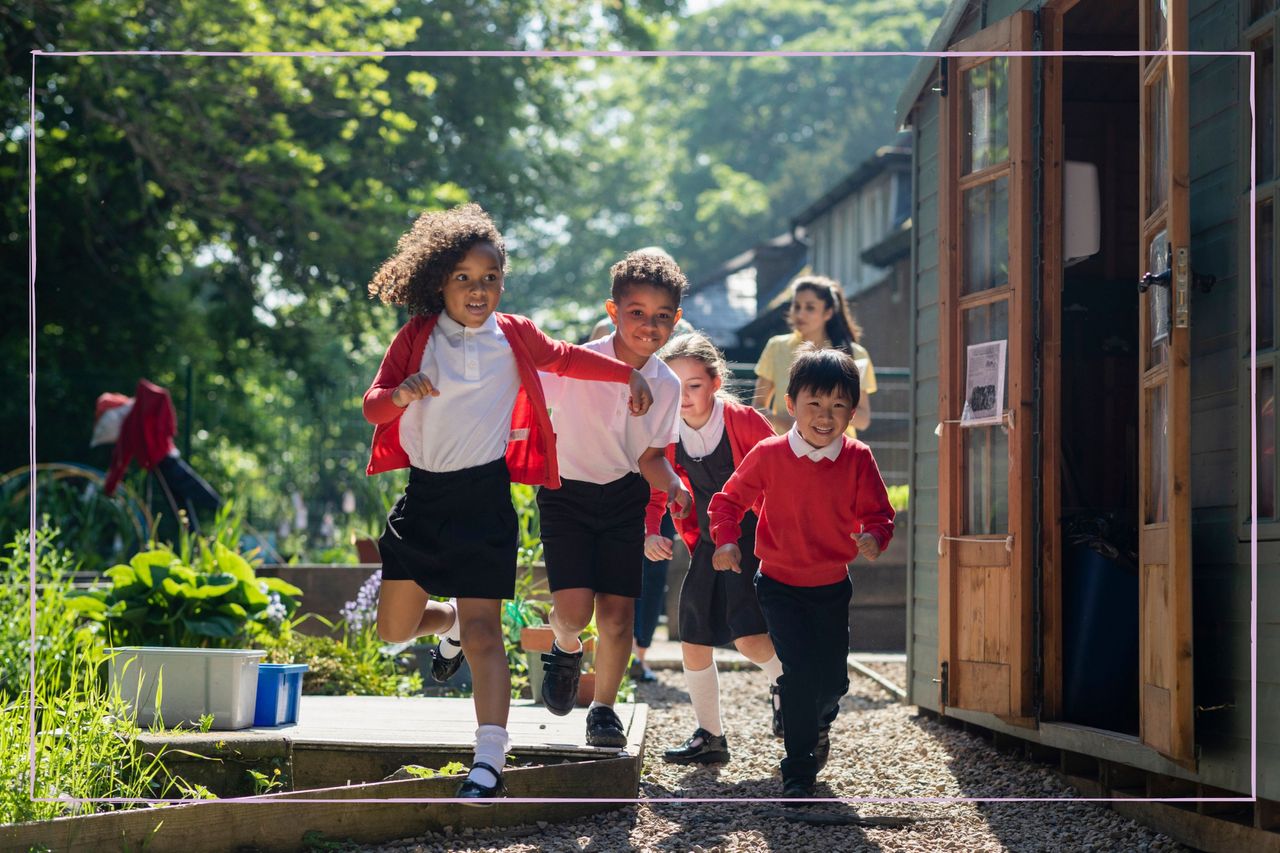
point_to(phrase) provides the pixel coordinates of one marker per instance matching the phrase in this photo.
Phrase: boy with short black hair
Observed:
(821, 502)
(593, 525)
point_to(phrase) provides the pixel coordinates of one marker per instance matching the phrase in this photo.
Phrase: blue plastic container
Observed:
(279, 694)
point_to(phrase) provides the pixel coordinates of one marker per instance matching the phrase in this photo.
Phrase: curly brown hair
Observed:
(425, 255)
(653, 267)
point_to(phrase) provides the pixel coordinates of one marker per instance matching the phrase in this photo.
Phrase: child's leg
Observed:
(405, 611)
(571, 611)
(758, 649)
(491, 682)
(615, 615)
(704, 686)
(788, 612)
(490, 672)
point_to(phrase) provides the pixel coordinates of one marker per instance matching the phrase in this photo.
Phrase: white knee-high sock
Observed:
(772, 668)
(492, 743)
(454, 633)
(704, 694)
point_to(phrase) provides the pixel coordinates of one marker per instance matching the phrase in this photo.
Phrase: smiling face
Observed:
(809, 314)
(474, 286)
(697, 390)
(821, 417)
(645, 316)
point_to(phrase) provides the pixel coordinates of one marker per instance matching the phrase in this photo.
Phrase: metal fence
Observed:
(889, 434)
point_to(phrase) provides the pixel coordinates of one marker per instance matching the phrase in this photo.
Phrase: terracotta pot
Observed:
(367, 551)
(586, 689)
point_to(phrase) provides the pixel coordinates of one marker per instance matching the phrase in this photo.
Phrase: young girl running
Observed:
(715, 607)
(819, 315)
(458, 401)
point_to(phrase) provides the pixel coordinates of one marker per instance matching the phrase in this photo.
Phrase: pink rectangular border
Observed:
(1253, 393)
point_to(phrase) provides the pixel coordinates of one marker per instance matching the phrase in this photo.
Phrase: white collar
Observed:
(702, 441)
(803, 449)
(451, 327)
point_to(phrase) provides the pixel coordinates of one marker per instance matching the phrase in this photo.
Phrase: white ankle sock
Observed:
(492, 743)
(447, 649)
(704, 694)
(772, 668)
(556, 645)
(598, 704)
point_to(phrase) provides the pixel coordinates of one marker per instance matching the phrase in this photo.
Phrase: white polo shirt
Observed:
(469, 423)
(597, 438)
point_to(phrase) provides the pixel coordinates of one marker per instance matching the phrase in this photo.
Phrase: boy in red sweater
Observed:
(821, 502)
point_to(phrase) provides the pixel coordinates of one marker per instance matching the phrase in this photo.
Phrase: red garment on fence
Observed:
(146, 434)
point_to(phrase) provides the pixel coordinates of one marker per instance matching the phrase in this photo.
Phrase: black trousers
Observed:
(809, 626)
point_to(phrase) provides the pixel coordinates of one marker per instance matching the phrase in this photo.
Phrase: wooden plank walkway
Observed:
(343, 739)
(423, 721)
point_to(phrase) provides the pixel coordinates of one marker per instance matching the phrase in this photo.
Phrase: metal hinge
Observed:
(1181, 268)
(944, 685)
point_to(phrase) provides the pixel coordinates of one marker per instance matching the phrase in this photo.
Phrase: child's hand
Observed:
(657, 547)
(641, 396)
(679, 502)
(867, 545)
(727, 558)
(415, 387)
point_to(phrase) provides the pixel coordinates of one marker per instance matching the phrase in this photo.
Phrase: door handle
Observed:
(1163, 279)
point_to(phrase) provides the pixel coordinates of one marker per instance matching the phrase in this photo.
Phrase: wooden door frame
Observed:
(1053, 144)
(1013, 30)
(1176, 547)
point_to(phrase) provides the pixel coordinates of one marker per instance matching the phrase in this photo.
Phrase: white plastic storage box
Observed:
(190, 684)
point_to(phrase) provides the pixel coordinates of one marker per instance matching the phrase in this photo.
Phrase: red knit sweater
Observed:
(531, 450)
(809, 512)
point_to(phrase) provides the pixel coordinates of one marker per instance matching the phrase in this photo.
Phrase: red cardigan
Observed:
(531, 449)
(810, 509)
(745, 427)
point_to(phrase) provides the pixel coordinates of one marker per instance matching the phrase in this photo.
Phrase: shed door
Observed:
(985, 560)
(1165, 413)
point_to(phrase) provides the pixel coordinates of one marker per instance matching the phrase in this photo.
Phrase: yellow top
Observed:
(775, 365)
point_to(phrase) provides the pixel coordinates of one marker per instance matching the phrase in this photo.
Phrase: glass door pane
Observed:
(986, 115)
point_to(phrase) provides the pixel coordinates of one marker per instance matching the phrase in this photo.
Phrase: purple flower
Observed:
(364, 610)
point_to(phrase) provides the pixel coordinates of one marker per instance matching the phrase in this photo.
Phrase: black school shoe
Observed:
(471, 790)
(822, 749)
(702, 747)
(775, 708)
(604, 728)
(797, 789)
(443, 668)
(561, 672)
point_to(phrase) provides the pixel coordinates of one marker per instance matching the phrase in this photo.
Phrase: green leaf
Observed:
(231, 563)
(85, 602)
(221, 627)
(281, 586)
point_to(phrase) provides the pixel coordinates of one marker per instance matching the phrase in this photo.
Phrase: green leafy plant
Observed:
(899, 497)
(84, 746)
(210, 599)
(60, 635)
(453, 768)
(336, 669)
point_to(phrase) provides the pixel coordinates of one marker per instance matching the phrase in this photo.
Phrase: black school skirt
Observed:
(454, 533)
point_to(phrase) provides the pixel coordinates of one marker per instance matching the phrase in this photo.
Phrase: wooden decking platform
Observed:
(341, 740)
(341, 751)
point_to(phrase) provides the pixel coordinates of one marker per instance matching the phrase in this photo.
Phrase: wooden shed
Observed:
(1124, 417)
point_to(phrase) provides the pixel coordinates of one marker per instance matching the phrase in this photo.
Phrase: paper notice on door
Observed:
(984, 384)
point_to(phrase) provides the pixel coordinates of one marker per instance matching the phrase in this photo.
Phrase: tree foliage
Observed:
(222, 215)
(708, 156)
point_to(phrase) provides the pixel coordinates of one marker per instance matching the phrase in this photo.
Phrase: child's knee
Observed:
(391, 632)
(481, 636)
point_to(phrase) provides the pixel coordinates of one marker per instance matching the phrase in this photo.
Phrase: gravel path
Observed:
(879, 749)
